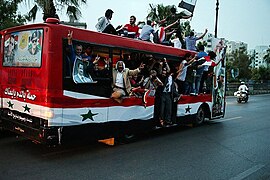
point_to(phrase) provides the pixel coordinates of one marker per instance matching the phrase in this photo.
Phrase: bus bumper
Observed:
(33, 130)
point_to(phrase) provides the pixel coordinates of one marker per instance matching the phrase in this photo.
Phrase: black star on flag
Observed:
(26, 108)
(10, 104)
(89, 115)
(188, 109)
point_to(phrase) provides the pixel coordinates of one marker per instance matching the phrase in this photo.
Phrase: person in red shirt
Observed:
(131, 28)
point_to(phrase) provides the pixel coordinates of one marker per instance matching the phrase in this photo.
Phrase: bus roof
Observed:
(103, 39)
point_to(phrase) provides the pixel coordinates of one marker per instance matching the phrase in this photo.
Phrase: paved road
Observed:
(236, 147)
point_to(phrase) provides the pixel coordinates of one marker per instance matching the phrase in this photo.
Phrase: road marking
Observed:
(248, 172)
(229, 119)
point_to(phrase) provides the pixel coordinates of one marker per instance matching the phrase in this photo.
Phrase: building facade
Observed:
(257, 56)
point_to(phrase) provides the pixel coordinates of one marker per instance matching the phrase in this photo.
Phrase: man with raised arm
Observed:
(121, 84)
(174, 16)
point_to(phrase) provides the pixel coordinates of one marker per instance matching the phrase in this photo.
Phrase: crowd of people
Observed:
(147, 77)
(168, 32)
(155, 76)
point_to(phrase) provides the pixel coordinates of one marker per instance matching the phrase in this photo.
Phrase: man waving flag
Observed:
(208, 61)
(188, 5)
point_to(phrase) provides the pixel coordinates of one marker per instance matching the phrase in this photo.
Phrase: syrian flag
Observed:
(188, 5)
(208, 61)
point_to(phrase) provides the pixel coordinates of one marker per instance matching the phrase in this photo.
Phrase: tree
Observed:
(240, 61)
(9, 16)
(159, 12)
(49, 8)
(260, 74)
(204, 43)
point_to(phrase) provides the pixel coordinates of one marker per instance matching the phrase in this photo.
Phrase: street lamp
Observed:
(217, 4)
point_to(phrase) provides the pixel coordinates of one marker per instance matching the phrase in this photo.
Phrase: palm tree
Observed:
(158, 12)
(49, 8)
(9, 15)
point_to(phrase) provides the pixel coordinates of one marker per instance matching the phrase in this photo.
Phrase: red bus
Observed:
(41, 100)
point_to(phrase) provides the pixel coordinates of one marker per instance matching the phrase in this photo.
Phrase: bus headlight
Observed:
(48, 114)
(45, 113)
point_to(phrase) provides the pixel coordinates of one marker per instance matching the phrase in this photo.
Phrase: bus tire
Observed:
(200, 116)
(127, 138)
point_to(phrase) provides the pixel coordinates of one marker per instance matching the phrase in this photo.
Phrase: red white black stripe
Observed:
(188, 5)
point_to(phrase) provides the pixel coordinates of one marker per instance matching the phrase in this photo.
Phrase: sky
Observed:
(238, 20)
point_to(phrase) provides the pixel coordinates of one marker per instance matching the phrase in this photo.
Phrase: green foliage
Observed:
(186, 28)
(239, 61)
(204, 43)
(261, 74)
(50, 11)
(8, 14)
(159, 12)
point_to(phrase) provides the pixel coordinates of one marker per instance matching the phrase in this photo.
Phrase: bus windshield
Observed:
(23, 48)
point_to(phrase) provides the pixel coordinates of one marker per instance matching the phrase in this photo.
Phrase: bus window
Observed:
(130, 59)
(23, 49)
(90, 71)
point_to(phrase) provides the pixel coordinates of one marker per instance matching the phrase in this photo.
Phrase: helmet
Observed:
(242, 82)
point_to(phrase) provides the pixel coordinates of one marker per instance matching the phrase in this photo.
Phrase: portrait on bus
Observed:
(79, 72)
(23, 48)
(34, 46)
(10, 48)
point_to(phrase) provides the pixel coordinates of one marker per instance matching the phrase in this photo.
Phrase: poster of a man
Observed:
(79, 74)
(34, 46)
(10, 46)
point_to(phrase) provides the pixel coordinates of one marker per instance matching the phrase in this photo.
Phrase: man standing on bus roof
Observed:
(174, 16)
(191, 40)
(104, 23)
(131, 28)
(121, 84)
(147, 30)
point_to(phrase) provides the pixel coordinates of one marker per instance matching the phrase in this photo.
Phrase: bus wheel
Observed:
(200, 116)
(127, 138)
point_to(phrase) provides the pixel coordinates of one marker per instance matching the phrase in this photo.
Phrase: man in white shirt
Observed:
(243, 87)
(121, 84)
(104, 23)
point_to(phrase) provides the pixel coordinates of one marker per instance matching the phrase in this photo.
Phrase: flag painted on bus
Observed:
(188, 5)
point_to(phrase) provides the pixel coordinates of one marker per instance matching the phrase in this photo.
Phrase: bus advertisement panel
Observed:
(23, 48)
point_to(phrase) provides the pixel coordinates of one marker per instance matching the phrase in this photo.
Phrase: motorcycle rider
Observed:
(243, 88)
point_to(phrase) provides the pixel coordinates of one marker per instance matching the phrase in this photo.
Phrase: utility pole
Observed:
(217, 4)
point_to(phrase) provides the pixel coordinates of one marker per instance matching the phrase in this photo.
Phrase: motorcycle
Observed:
(241, 96)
